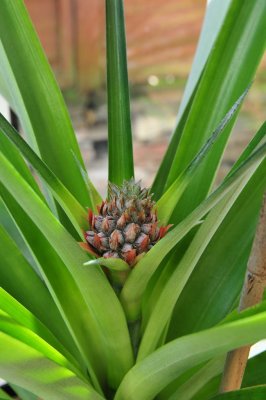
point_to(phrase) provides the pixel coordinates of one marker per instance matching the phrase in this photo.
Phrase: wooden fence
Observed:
(161, 37)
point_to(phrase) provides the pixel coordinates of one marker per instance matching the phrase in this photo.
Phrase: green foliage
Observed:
(257, 393)
(119, 124)
(73, 326)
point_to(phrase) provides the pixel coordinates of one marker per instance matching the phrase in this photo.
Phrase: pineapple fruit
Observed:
(126, 226)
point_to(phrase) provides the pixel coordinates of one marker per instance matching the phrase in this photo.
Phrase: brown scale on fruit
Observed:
(126, 226)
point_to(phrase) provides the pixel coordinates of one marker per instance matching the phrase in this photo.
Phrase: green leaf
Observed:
(36, 98)
(64, 290)
(59, 282)
(3, 395)
(148, 377)
(236, 239)
(13, 154)
(255, 374)
(255, 393)
(28, 368)
(72, 207)
(114, 264)
(119, 125)
(94, 195)
(202, 377)
(214, 17)
(221, 272)
(92, 283)
(186, 390)
(163, 305)
(11, 229)
(27, 336)
(158, 281)
(24, 317)
(133, 290)
(254, 143)
(24, 394)
(229, 69)
(21, 281)
(170, 198)
(161, 177)
(163, 308)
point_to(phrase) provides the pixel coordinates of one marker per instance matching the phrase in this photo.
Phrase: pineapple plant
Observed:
(134, 296)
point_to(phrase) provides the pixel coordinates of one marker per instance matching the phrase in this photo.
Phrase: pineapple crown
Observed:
(126, 225)
(129, 189)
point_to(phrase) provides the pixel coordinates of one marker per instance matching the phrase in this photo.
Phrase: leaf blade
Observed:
(14, 270)
(219, 87)
(138, 279)
(41, 109)
(28, 320)
(72, 207)
(168, 202)
(91, 282)
(27, 368)
(255, 393)
(119, 124)
(179, 278)
(147, 378)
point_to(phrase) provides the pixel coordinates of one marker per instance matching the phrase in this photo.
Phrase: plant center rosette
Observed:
(126, 226)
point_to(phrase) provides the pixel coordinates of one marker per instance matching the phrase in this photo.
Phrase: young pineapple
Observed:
(127, 224)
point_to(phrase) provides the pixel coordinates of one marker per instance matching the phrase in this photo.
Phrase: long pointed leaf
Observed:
(20, 281)
(119, 125)
(23, 393)
(221, 272)
(64, 291)
(24, 317)
(3, 395)
(94, 195)
(255, 393)
(161, 177)
(206, 381)
(25, 335)
(170, 198)
(233, 56)
(214, 17)
(95, 289)
(255, 374)
(28, 368)
(235, 235)
(17, 160)
(147, 378)
(41, 108)
(74, 210)
(138, 279)
(164, 306)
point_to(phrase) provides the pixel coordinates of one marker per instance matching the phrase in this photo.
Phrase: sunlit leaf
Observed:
(28, 368)
(148, 377)
(92, 284)
(114, 264)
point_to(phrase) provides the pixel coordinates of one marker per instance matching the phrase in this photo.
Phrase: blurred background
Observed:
(161, 38)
